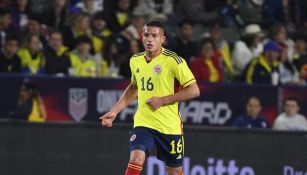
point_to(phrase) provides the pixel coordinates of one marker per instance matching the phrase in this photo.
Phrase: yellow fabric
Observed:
(98, 43)
(61, 51)
(122, 18)
(169, 67)
(104, 68)
(35, 115)
(265, 64)
(82, 68)
(28, 62)
(227, 58)
(213, 73)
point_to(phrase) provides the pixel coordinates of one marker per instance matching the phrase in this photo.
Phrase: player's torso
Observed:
(156, 78)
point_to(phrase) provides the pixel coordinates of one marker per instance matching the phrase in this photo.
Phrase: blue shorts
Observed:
(170, 148)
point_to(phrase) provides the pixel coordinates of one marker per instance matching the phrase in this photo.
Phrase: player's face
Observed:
(153, 38)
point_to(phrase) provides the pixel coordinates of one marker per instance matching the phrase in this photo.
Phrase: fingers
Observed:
(149, 101)
(150, 104)
(106, 123)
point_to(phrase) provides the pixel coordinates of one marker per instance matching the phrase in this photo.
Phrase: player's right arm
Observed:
(128, 96)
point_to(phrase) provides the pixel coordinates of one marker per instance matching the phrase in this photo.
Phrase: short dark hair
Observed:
(35, 17)
(292, 99)
(206, 40)
(54, 31)
(185, 21)
(83, 39)
(100, 15)
(156, 23)
(11, 37)
(275, 29)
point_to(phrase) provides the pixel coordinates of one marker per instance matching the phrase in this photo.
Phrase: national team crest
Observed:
(157, 69)
(78, 103)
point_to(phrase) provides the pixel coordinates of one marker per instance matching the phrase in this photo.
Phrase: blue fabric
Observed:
(245, 121)
(271, 46)
(142, 138)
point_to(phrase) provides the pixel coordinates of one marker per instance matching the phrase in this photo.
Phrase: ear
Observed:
(163, 39)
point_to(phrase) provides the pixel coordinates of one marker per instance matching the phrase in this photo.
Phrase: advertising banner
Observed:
(81, 149)
(86, 99)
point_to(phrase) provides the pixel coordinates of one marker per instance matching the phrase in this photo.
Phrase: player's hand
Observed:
(107, 119)
(155, 102)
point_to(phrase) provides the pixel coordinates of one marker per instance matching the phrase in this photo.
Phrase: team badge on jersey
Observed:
(157, 69)
(132, 137)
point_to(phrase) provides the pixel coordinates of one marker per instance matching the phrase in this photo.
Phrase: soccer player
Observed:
(157, 120)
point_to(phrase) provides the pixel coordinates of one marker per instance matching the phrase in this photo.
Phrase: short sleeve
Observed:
(133, 79)
(183, 73)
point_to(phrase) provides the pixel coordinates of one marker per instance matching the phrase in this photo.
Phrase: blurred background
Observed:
(64, 63)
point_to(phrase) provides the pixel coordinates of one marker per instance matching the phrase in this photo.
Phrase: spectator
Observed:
(5, 22)
(119, 18)
(9, 61)
(56, 54)
(19, 13)
(288, 73)
(57, 15)
(224, 48)
(197, 11)
(100, 32)
(30, 105)
(80, 26)
(156, 10)
(290, 119)
(260, 70)
(279, 34)
(134, 48)
(251, 11)
(115, 53)
(83, 64)
(300, 56)
(34, 27)
(32, 59)
(275, 11)
(252, 118)
(135, 29)
(207, 66)
(183, 45)
(87, 6)
(248, 48)
(297, 13)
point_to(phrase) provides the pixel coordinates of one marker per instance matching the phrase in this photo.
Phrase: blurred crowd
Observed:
(250, 41)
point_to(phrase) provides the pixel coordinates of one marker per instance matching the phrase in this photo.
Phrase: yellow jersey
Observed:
(158, 78)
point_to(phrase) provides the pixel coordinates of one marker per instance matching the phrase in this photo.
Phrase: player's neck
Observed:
(151, 55)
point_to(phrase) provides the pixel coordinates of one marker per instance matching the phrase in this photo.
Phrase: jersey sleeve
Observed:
(133, 79)
(183, 73)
